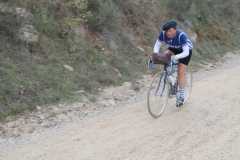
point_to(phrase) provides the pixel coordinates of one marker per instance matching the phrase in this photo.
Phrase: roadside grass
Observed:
(39, 79)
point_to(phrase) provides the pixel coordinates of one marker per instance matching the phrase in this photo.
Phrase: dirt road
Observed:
(206, 127)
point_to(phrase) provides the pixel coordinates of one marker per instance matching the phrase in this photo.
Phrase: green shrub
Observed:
(106, 16)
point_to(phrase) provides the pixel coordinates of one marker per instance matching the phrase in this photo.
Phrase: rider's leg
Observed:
(181, 78)
(182, 66)
(181, 82)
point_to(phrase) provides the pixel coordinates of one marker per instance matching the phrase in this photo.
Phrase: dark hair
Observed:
(169, 24)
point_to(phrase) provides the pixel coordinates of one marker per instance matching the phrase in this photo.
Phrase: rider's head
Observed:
(170, 28)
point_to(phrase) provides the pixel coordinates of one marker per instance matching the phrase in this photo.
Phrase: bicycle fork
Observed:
(164, 84)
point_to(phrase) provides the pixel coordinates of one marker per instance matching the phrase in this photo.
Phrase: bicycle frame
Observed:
(166, 74)
(164, 86)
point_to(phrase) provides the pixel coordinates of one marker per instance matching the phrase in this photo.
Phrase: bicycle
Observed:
(164, 86)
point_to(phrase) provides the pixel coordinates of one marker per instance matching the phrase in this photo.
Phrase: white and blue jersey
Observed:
(178, 42)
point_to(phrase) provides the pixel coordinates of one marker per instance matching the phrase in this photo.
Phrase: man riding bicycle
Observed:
(181, 49)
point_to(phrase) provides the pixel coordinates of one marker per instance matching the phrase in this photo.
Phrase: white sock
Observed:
(181, 90)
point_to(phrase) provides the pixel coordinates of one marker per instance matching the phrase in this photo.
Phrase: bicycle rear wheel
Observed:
(158, 94)
(188, 86)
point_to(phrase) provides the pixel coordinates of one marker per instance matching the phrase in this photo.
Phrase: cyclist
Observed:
(181, 49)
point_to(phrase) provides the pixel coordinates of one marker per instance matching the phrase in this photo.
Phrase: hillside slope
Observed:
(51, 50)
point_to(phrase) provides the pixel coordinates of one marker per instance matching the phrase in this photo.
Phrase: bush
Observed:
(106, 16)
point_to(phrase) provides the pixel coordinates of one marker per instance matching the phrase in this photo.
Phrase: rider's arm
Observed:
(185, 47)
(157, 46)
(159, 42)
(185, 52)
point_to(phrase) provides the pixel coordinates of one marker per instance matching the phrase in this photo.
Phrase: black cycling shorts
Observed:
(185, 60)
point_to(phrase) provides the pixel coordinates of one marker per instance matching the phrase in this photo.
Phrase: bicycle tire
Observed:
(189, 82)
(158, 95)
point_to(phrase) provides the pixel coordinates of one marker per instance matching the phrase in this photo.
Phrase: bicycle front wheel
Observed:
(158, 94)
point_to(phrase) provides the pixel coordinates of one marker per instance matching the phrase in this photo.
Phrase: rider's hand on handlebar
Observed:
(174, 59)
(150, 63)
